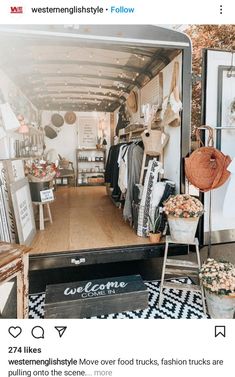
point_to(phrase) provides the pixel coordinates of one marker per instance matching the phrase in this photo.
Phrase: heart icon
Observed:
(15, 331)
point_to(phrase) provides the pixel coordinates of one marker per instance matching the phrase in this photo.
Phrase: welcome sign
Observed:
(91, 289)
(95, 297)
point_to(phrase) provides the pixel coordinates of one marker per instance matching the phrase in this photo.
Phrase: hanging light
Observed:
(23, 129)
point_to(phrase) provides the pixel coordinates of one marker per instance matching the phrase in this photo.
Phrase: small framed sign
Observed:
(47, 195)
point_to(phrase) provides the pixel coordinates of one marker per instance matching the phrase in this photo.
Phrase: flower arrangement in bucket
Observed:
(41, 171)
(154, 225)
(218, 280)
(183, 212)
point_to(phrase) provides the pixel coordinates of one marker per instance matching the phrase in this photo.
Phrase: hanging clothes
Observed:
(112, 170)
(154, 168)
(122, 119)
(134, 163)
(123, 171)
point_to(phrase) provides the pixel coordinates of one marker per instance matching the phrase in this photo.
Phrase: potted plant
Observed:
(183, 212)
(155, 222)
(218, 280)
(40, 173)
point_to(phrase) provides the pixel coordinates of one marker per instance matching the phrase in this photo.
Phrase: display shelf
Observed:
(130, 134)
(88, 162)
(90, 153)
(91, 149)
(91, 184)
(92, 172)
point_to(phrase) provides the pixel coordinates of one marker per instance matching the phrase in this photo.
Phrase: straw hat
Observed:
(57, 120)
(132, 102)
(70, 117)
(50, 132)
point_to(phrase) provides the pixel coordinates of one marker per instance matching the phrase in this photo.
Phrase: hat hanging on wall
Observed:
(57, 120)
(70, 117)
(132, 102)
(50, 132)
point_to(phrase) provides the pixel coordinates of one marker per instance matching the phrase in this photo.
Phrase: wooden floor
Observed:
(84, 218)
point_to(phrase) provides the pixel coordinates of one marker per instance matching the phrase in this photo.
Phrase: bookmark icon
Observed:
(61, 330)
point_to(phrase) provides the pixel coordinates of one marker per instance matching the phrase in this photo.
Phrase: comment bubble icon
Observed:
(38, 332)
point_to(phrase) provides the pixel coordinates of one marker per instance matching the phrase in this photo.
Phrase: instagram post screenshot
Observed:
(117, 188)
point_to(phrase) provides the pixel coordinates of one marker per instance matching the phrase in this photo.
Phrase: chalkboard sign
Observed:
(95, 297)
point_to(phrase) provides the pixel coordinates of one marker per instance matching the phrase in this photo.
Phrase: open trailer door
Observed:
(218, 87)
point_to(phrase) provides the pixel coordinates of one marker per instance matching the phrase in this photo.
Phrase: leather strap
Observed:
(210, 140)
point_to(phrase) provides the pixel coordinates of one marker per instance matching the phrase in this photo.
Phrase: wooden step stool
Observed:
(180, 268)
(42, 219)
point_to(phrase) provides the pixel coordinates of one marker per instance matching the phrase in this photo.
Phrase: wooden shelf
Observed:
(88, 162)
(129, 134)
(91, 184)
(79, 153)
(91, 172)
(91, 149)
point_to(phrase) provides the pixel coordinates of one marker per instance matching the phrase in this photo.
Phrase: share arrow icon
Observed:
(61, 330)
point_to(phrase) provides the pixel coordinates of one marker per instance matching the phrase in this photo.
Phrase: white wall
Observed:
(66, 142)
(20, 104)
(149, 94)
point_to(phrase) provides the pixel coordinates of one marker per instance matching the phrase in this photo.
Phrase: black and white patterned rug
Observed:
(177, 304)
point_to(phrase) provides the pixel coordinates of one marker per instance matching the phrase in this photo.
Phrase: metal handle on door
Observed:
(78, 261)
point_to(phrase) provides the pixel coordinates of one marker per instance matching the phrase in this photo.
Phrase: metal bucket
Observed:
(183, 229)
(220, 306)
(36, 187)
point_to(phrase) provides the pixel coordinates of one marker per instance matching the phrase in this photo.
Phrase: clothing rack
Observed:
(210, 193)
(219, 128)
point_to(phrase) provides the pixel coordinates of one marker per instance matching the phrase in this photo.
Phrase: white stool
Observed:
(179, 268)
(42, 219)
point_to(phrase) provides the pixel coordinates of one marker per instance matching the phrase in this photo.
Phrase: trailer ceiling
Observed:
(85, 68)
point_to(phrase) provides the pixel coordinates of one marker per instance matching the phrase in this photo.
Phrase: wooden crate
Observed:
(95, 180)
(95, 297)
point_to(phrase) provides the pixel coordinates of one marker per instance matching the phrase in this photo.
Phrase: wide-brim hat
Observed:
(70, 117)
(50, 132)
(57, 120)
